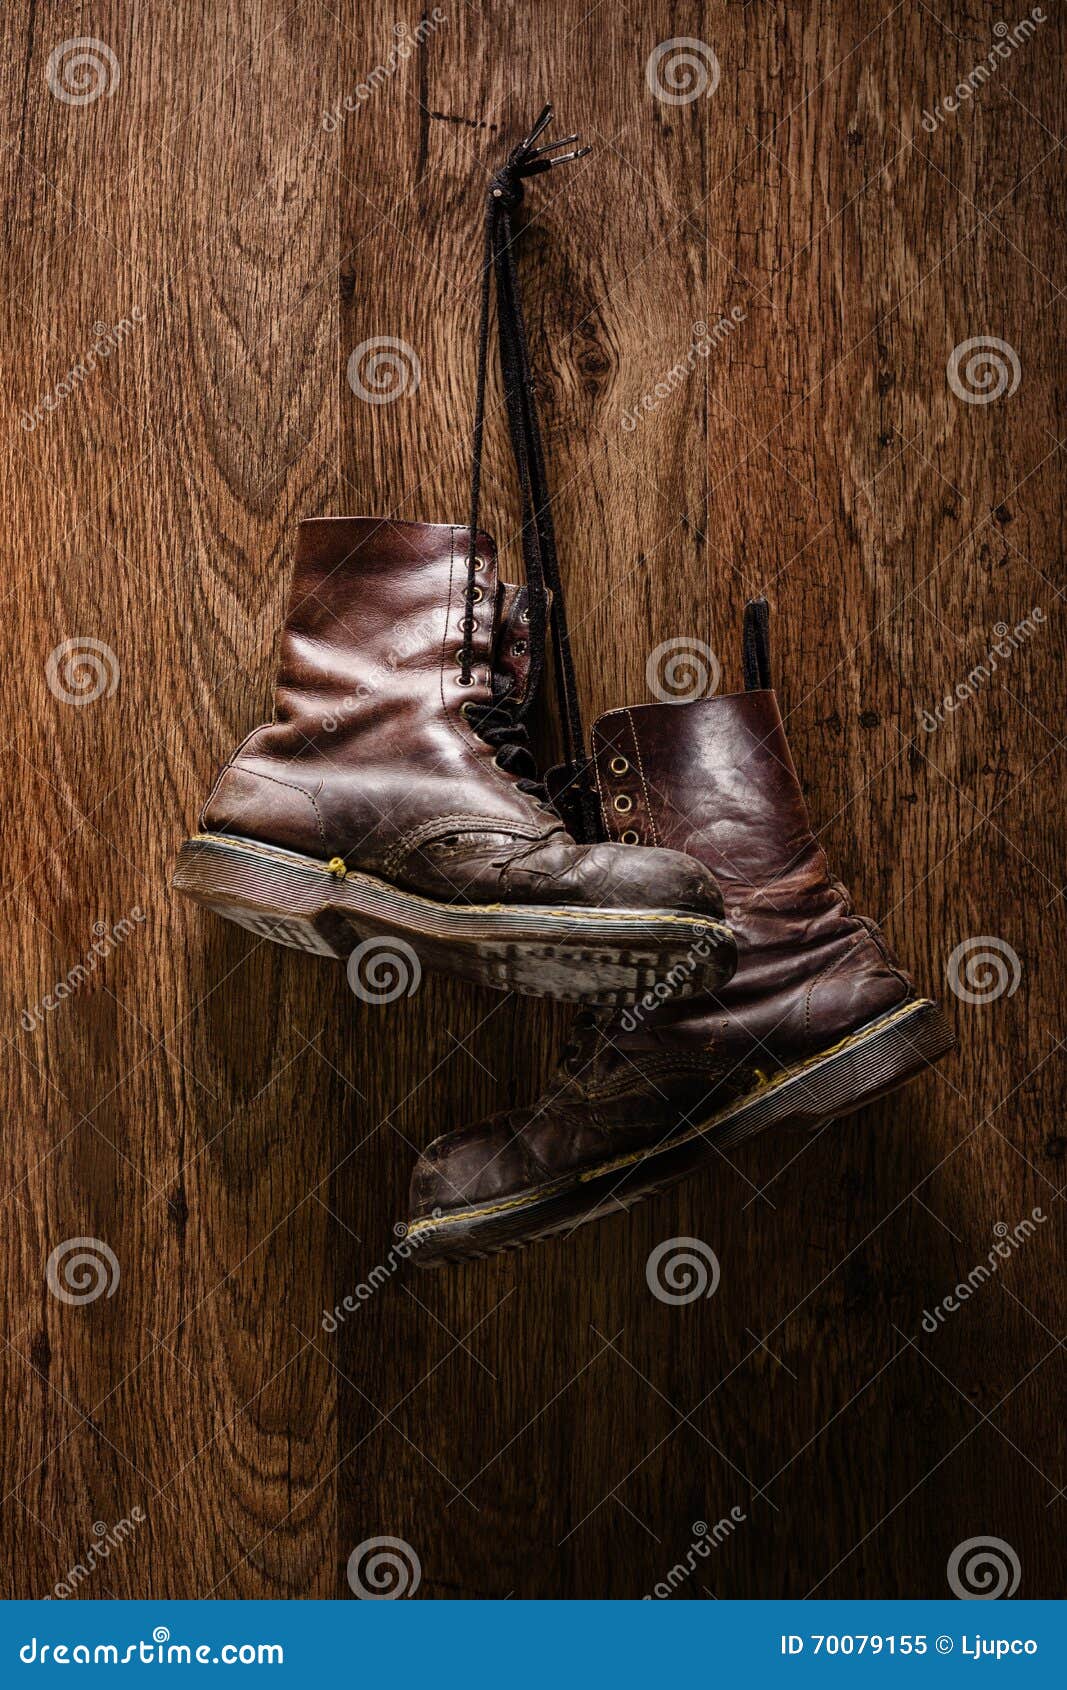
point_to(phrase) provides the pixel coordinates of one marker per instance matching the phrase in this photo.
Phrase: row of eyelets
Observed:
(476, 598)
(622, 802)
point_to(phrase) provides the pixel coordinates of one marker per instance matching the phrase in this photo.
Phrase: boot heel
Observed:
(280, 896)
(869, 1064)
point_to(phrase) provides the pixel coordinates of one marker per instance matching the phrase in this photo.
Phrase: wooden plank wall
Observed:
(223, 1115)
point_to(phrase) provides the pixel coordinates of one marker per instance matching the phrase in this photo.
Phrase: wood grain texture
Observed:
(224, 1115)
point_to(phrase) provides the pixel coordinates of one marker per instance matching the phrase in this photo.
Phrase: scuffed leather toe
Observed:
(462, 1168)
(609, 876)
(628, 876)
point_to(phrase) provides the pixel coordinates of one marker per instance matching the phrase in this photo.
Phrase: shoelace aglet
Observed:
(554, 146)
(539, 163)
(538, 129)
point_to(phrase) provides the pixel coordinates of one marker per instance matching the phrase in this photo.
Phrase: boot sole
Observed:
(580, 955)
(876, 1059)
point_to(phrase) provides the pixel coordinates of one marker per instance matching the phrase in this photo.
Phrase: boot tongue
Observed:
(511, 642)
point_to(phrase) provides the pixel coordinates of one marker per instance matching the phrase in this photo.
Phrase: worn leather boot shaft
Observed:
(715, 778)
(371, 757)
(369, 754)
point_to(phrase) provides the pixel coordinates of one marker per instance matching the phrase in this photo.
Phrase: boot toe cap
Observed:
(656, 878)
(469, 1167)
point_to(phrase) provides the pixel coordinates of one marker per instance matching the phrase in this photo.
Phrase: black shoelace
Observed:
(502, 723)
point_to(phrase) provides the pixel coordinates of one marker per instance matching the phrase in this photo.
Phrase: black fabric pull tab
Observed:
(756, 645)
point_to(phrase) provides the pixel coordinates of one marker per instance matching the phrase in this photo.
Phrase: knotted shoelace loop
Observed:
(505, 195)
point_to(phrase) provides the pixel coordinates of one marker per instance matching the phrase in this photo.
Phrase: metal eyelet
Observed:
(468, 623)
(524, 616)
(466, 707)
(619, 765)
(519, 649)
(630, 837)
(460, 682)
(477, 596)
(623, 803)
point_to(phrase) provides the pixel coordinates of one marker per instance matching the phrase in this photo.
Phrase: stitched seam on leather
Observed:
(468, 823)
(605, 818)
(835, 962)
(641, 772)
(227, 766)
(291, 786)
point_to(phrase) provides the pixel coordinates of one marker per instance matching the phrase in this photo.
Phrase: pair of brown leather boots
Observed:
(668, 877)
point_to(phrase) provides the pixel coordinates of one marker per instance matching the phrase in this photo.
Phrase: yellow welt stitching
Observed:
(761, 1090)
(528, 1201)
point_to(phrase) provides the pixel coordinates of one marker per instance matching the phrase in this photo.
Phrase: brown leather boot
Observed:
(389, 799)
(819, 1019)
(393, 798)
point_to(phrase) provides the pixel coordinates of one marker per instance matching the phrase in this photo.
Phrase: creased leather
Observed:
(713, 778)
(370, 758)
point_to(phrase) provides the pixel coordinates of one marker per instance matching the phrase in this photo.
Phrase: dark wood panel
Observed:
(225, 1117)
